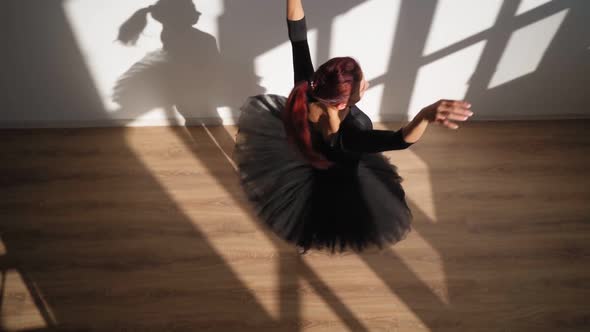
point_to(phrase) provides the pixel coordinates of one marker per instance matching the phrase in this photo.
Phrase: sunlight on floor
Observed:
(338, 268)
(432, 273)
(417, 181)
(19, 311)
(213, 212)
(317, 309)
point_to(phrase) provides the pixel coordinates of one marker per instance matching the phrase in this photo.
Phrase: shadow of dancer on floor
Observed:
(186, 73)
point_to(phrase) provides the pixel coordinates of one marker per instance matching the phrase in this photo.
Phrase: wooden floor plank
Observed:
(148, 229)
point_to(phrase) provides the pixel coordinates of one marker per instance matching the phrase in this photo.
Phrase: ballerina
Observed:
(311, 163)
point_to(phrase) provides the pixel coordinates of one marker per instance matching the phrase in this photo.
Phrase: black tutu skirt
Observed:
(350, 206)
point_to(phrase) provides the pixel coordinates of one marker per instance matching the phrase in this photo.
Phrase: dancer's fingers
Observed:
(457, 110)
(463, 111)
(450, 124)
(456, 103)
(457, 116)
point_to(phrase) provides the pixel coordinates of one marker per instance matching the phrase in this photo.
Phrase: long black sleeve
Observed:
(302, 64)
(370, 141)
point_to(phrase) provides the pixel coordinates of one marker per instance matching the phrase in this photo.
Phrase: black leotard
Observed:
(356, 134)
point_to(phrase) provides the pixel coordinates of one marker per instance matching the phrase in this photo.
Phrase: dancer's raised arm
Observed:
(302, 65)
(294, 10)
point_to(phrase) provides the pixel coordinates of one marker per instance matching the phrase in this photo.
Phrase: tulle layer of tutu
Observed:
(346, 207)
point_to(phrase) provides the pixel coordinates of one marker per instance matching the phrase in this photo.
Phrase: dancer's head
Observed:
(338, 83)
(171, 13)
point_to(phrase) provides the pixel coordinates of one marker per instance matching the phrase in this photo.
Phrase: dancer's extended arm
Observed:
(440, 112)
(294, 10)
(296, 24)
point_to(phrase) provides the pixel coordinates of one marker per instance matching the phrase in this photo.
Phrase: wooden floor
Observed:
(147, 229)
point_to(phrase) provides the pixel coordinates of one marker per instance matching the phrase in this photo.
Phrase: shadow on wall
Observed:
(188, 73)
(558, 86)
(567, 60)
(191, 74)
(194, 74)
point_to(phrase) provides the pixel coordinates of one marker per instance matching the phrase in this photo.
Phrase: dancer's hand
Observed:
(294, 10)
(445, 110)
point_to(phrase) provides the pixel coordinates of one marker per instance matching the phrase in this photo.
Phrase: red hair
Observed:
(333, 83)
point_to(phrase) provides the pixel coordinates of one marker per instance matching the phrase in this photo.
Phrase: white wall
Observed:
(526, 59)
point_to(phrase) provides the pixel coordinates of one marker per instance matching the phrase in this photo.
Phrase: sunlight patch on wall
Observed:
(455, 20)
(377, 32)
(266, 64)
(208, 22)
(19, 311)
(371, 102)
(447, 78)
(525, 49)
(156, 117)
(228, 115)
(371, 25)
(95, 25)
(526, 5)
